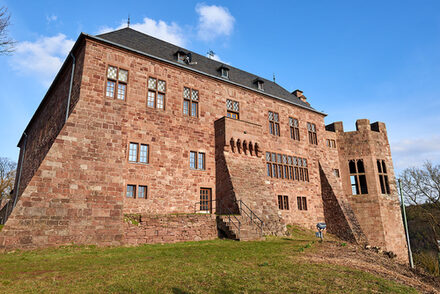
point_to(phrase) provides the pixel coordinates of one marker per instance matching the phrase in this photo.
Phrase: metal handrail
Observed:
(243, 209)
(220, 205)
(251, 216)
(238, 221)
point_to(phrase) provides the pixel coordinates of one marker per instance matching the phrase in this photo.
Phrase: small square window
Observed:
(142, 192)
(131, 191)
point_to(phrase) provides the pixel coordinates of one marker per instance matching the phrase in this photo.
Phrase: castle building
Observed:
(138, 140)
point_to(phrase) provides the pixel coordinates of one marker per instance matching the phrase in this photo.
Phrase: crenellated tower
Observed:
(367, 195)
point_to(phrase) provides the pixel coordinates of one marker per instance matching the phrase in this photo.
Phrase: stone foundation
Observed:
(169, 228)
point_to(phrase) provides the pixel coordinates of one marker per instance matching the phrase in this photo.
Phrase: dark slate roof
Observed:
(140, 42)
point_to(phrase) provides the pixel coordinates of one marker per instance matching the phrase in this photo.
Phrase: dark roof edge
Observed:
(75, 46)
(202, 73)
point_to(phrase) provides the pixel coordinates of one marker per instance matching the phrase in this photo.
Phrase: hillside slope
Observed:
(298, 264)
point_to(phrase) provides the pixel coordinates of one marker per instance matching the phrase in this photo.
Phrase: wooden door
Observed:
(205, 200)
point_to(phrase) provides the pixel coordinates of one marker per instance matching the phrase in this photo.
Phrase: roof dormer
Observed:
(181, 56)
(260, 84)
(224, 71)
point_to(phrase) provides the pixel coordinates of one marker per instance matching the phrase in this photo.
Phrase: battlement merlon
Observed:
(361, 125)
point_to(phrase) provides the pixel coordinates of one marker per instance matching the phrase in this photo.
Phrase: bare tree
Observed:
(7, 177)
(6, 43)
(421, 187)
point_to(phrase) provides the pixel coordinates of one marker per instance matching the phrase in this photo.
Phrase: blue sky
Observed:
(353, 59)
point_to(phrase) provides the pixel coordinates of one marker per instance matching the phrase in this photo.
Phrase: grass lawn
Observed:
(219, 266)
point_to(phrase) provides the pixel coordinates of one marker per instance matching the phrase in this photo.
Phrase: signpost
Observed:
(411, 262)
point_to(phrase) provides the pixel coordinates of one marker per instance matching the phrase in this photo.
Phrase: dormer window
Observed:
(259, 83)
(224, 72)
(181, 56)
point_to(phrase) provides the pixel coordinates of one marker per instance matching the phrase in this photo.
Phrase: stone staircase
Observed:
(238, 228)
(245, 226)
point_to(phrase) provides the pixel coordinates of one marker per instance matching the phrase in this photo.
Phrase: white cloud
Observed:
(171, 33)
(51, 18)
(415, 151)
(42, 58)
(216, 58)
(214, 21)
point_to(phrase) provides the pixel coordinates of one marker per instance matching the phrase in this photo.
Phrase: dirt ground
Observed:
(354, 256)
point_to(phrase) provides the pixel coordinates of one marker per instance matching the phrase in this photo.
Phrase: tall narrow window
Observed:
(301, 203)
(197, 160)
(383, 177)
(136, 154)
(274, 123)
(286, 202)
(156, 93)
(143, 154)
(190, 102)
(232, 108)
(313, 138)
(116, 86)
(294, 128)
(280, 202)
(142, 192)
(193, 160)
(131, 191)
(268, 164)
(358, 179)
(133, 152)
(201, 161)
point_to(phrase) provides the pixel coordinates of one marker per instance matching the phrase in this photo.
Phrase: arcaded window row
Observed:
(286, 167)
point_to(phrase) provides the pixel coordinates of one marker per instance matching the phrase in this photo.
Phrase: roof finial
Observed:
(128, 21)
(210, 54)
(274, 77)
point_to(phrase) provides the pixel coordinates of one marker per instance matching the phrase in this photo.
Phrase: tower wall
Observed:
(378, 213)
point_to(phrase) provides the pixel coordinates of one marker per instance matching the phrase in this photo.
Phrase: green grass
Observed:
(219, 266)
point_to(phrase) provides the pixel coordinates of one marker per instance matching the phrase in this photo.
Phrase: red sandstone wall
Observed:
(378, 214)
(170, 229)
(75, 194)
(173, 187)
(49, 120)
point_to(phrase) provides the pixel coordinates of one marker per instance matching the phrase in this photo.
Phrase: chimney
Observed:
(299, 94)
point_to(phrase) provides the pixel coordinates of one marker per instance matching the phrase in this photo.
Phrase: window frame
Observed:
(224, 72)
(133, 192)
(312, 131)
(196, 160)
(274, 125)
(145, 192)
(282, 166)
(190, 102)
(138, 152)
(294, 130)
(116, 82)
(231, 112)
(156, 93)
(383, 177)
(358, 177)
(301, 202)
(283, 202)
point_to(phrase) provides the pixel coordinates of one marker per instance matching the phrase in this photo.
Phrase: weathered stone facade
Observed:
(75, 174)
